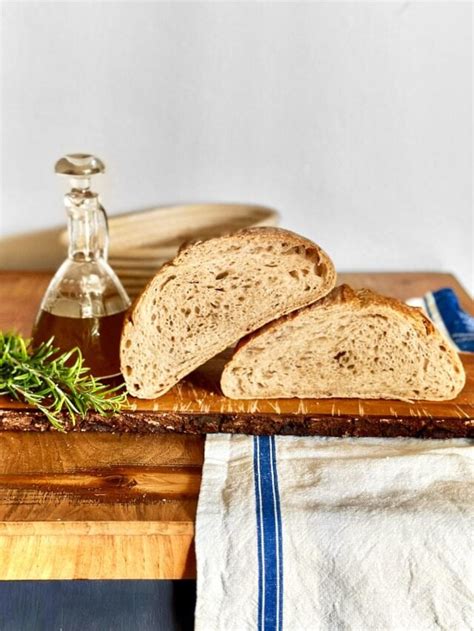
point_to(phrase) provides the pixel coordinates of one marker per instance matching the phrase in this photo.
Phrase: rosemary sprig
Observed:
(43, 378)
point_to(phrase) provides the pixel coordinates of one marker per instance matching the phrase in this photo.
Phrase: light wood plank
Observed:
(71, 556)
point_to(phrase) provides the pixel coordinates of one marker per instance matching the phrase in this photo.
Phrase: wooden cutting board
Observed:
(196, 405)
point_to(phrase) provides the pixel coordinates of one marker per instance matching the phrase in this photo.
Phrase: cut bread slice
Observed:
(212, 294)
(354, 344)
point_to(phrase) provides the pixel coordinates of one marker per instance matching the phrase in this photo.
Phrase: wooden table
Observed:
(113, 506)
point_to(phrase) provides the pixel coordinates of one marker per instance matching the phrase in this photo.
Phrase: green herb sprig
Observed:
(43, 378)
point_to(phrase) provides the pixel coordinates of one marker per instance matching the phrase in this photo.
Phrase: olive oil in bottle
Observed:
(85, 303)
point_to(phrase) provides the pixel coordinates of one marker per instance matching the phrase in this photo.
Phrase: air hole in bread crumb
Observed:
(136, 386)
(241, 298)
(293, 273)
(197, 310)
(442, 347)
(222, 275)
(128, 343)
(294, 250)
(167, 281)
(128, 370)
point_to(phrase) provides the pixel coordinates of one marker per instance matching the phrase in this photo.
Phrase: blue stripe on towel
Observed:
(269, 535)
(280, 537)
(459, 324)
(258, 509)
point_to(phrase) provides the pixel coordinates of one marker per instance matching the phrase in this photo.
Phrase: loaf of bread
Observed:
(211, 295)
(354, 344)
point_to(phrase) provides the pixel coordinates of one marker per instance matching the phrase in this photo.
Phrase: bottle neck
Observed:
(87, 225)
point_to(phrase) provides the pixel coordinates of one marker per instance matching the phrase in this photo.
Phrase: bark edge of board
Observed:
(253, 424)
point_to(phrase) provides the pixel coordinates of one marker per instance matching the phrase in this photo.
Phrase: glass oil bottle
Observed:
(85, 303)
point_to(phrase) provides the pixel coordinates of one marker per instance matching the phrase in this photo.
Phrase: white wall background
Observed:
(353, 119)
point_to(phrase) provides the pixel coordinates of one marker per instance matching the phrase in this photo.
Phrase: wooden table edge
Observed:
(97, 557)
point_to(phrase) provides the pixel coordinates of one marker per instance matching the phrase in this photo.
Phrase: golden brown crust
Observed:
(190, 252)
(364, 298)
(361, 303)
(359, 299)
(267, 233)
(188, 248)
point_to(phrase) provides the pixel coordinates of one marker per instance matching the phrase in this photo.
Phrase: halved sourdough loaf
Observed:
(212, 294)
(354, 344)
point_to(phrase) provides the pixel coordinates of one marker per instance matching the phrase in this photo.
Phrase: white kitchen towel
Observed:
(339, 534)
(443, 307)
(335, 534)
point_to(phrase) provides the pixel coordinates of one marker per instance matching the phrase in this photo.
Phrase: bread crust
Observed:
(265, 232)
(358, 301)
(191, 253)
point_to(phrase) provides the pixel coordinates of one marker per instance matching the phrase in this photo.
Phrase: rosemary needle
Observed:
(46, 379)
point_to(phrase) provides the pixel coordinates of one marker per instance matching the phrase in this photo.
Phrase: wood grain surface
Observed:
(98, 505)
(104, 505)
